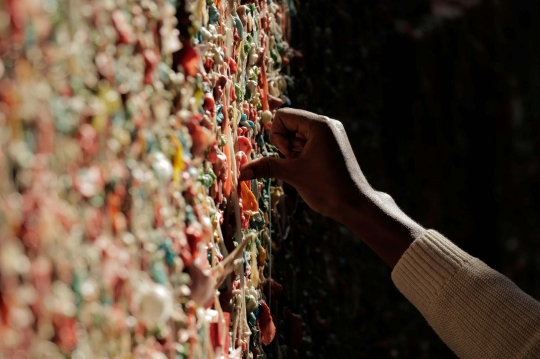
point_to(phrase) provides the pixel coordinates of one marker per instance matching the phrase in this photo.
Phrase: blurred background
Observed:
(441, 100)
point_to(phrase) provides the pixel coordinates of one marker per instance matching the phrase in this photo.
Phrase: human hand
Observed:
(319, 162)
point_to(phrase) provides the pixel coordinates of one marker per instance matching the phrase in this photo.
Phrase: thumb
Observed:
(266, 167)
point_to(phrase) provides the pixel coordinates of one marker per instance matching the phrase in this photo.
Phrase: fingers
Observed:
(291, 129)
(297, 144)
(266, 167)
(290, 124)
(282, 143)
(289, 146)
(290, 120)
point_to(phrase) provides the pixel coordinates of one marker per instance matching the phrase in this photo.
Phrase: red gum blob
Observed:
(125, 32)
(218, 88)
(252, 116)
(232, 66)
(242, 131)
(208, 63)
(151, 60)
(194, 235)
(189, 59)
(244, 145)
(212, 155)
(209, 103)
(261, 52)
(233, 94)
(227, 186)
(66, 327)
(266, 324)
(201, 136)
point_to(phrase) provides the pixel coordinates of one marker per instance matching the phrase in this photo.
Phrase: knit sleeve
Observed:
(476, 311)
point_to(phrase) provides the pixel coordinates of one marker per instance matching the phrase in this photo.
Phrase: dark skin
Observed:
(319, 162)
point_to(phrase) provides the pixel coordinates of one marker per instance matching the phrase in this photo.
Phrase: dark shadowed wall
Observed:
(442, 105)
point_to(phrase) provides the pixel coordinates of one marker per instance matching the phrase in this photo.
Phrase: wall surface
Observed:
(119, 136)
(124, 229)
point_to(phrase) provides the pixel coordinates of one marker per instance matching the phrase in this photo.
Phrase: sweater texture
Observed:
(478, 312)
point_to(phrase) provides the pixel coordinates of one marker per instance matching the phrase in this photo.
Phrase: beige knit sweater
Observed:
(477, 312)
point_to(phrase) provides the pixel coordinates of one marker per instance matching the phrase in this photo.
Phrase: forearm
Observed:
(381, 224)
(476, 311)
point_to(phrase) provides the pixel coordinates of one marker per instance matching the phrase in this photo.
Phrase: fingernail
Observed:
(246, 175)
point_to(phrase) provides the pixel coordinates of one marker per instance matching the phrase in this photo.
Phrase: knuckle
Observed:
(321, 122)
(327, 121)
(335, 123)
(333, 126)
(338, 124)
(285, 110)
(323, 119)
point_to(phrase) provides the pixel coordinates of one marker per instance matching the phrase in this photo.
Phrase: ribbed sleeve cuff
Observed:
(427, 265)
(477, 312)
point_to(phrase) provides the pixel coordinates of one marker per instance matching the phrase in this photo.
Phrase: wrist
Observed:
(382, 225)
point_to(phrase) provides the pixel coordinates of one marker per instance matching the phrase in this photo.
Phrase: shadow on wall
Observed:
(441, 104)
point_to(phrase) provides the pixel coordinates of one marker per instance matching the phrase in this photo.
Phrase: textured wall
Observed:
(112, 136)
(123, 127)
